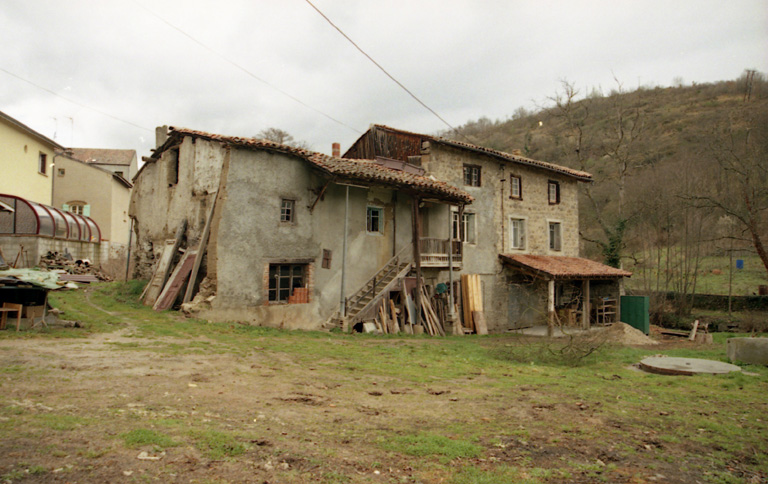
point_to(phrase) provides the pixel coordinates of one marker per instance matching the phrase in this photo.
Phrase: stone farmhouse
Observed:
(520, 234)
(290, 238)
(275, 223)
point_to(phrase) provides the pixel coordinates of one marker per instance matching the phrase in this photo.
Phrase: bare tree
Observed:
(740, 149)
(277, 135)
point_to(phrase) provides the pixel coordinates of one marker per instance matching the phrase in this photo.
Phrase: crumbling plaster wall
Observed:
(492, 221)
(159, 205)
(251, 236)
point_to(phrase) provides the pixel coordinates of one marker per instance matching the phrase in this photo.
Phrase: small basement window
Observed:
(284, 279)
(375, 220)
(287, 210)
(472, 175)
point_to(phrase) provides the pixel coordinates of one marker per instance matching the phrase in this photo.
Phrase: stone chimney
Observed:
(336, 150)
(161, 134)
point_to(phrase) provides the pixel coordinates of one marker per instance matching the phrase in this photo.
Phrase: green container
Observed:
(635, 311)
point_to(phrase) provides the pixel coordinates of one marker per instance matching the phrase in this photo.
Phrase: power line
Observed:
(75, 102)
(246, 71)
(384, 70)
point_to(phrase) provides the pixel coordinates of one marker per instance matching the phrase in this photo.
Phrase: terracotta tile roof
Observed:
(522, 160)
(340, 168)
(104, 156)
(555, 267)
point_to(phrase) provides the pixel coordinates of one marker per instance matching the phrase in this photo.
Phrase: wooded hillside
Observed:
(680, 172)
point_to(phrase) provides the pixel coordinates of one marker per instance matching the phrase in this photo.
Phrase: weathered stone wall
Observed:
(493, 209)
(161, 201)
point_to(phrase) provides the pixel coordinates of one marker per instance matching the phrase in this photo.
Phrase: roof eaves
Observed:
(30, 131)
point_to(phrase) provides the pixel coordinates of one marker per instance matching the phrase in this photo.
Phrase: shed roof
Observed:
(342, 169)
(558, 267)
(501, 155)
(103, 156)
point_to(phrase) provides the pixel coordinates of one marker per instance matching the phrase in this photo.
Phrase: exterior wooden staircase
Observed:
(364, 302)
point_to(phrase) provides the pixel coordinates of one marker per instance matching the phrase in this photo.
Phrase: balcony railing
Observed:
(434, 252)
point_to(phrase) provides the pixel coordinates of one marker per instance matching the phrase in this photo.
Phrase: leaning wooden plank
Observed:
(179, 275)
(189, 293)
(692, 337)
(466, 315)
(160, 275)
(479, 318)
(395, 319)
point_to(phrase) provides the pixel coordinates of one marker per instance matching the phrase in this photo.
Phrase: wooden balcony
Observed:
(434, 253)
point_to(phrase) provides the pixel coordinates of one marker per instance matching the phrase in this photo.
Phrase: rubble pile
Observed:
(54, 261)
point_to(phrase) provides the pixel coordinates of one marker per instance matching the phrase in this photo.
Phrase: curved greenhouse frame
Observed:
(25, 217)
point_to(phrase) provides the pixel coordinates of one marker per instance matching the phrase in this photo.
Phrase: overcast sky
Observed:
(182, 63)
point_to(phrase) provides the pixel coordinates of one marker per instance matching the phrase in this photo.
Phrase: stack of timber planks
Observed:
(472, 304)
(398, 314)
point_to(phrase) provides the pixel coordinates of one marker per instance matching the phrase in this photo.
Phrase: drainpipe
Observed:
(342, 299)
(450, 264)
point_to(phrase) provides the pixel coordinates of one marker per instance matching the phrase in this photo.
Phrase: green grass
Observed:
(430, 444)
(142, 437)
(517, 399)
(217, 445)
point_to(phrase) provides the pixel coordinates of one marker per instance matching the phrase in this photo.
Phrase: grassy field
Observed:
(713, 276)
(139, 396)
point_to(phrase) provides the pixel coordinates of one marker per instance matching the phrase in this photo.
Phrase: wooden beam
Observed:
(586, 307)
(319, 195)
(416, 222)
(550, 307)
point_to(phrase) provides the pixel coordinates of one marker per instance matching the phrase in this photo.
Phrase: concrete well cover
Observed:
(669, 365)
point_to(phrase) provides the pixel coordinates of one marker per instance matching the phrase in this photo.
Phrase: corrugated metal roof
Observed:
(557, 267)
(340, 168)
(581, 175)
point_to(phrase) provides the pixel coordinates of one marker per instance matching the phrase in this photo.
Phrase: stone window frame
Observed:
(524, 237)
(553, 192)
(555, 244)
(369, 220)
(472, 175)
(512, 195)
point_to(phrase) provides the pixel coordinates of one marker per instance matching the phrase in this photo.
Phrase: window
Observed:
(515, 187)
(42, 163)
(468, 226)
(555, 236)
(553, 193)
(375, 220)
(283, 279)
(327, 258)
(78, 208)
(472, 175)
(517, 233)
(287, 210)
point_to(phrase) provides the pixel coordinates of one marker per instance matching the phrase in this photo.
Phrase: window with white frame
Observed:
(515, 187)
(517, 233)
(375, 220)
(468, 226)
(553, 192)
(555, 236)
(287, 210)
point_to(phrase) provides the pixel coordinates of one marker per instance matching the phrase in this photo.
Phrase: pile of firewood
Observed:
(56, 261)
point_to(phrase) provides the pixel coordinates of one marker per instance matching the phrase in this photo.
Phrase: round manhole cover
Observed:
(670, 365)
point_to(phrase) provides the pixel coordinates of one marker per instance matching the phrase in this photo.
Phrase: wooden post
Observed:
(417, 256)
(586, 308)
(550, 307)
